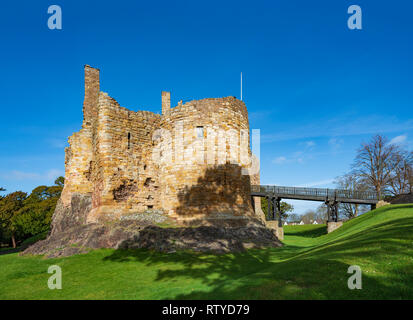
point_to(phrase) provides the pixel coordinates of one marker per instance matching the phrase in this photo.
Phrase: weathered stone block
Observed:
(279, 231)
(332, 225)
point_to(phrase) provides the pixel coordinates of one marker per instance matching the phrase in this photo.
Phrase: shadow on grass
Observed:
(8, 251)
(13, 250)
(294, 272)
(395, 207)
(393, 238)
(304, 231)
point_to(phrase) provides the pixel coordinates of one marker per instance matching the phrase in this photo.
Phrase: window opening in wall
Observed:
(128, 140)
(199, 132)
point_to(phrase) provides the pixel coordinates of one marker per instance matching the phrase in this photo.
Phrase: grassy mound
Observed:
(311, 265)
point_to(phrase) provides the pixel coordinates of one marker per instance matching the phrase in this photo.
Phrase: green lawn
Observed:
(311, 265)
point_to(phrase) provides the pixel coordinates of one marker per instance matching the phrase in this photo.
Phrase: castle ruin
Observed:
(188, 162)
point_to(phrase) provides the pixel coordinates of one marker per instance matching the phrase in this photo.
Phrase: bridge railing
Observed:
(316, 192)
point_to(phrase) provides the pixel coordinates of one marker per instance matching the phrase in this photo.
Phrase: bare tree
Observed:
(321, 213)
(309, 216)
(351, 182)
(375, 162)
(293, 217)
(402, 175)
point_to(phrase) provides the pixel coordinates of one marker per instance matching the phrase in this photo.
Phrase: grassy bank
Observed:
(311, 265)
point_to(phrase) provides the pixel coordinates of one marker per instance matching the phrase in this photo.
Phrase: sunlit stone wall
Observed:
(188, 163)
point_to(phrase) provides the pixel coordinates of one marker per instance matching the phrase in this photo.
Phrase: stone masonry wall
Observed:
(186, 162)
(124, 177)
(78, 162)
(79, 154)
(199, 175)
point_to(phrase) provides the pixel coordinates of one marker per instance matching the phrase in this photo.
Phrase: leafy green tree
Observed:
(284, 208)
(60, 181)
(39, 193)
(35, 218)
(36, 215)
(22, 216)
(10, 206)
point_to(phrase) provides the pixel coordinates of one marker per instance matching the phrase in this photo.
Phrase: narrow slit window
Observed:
(199, 132)
(128, 140)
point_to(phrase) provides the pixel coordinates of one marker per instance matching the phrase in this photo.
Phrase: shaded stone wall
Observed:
(200, 171)
(186, 162)
(78, 161)
(124, 177)
(255, 180)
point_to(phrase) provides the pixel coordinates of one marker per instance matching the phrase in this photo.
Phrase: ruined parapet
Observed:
(166, 101)
(92, 89)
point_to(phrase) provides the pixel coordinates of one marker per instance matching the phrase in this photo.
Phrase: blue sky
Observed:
(314, 88)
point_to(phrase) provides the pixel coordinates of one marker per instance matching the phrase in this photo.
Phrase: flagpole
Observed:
(241, 86)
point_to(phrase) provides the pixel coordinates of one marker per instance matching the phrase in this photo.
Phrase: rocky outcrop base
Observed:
(133, 235)
(71, 234)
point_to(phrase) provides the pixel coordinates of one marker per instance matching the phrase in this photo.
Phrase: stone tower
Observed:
(190, 162)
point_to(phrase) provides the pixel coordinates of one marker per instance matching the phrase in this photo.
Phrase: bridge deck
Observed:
(315, 194)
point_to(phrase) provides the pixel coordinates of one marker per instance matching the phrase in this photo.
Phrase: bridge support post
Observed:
(333, 225)
(276, 222)
(335, 212)
(332, 211)
(278, 205)
(328, 211)
(275, 207)
(269, 210)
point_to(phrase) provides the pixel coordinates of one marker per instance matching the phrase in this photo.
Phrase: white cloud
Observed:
(317, 183)
(310, 144)
(399, 139)
(258, 115)
(50, 175)
(335, 143)
(57, 143)
(344, 125)
(20, 175)
(296, 157)
(302, 206)
(279, 160)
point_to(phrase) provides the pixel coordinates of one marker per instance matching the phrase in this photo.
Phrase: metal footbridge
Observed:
(331, 197)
